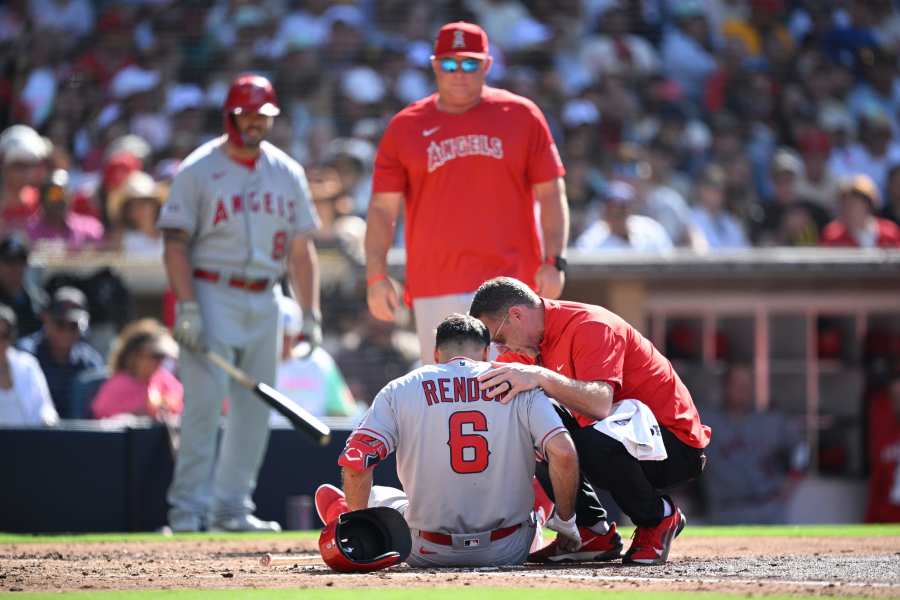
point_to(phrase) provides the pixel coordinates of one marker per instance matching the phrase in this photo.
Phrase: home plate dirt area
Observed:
(827, 566)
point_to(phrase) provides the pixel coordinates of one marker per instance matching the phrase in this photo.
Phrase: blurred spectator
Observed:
(892, 195)
(687, 48)
(60, 349)
(62, 17)
(112, 50)
(616, 49)
(851, 39)
(140, 383)
(856, 224)
(874, 153)
(817, 183)
(876, 93)
(884, 454)
(710, 214)
(756, 459)
(56, 223)
(372, 354)
(24, 396)
(788, 219)
(658, 186)
(132, 210)
(16, 289)
(311, 379)
(23, 155)
(352, 160)
(761, 33)
(620, 229)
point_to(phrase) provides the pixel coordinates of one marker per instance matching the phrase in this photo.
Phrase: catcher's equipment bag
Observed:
(365, 540)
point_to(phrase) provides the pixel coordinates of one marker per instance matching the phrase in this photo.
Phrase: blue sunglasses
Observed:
(467, 65)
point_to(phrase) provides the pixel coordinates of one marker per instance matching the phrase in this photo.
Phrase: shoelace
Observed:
(644, 536)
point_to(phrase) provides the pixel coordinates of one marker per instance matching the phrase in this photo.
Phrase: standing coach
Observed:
(468, 150)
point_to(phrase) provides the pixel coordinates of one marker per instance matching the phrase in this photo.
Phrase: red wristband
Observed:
(373, 279)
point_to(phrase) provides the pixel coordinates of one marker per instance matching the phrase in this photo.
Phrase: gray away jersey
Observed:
(466, 463)
(241, 221)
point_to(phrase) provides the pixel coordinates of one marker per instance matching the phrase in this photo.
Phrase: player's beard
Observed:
(252, 137)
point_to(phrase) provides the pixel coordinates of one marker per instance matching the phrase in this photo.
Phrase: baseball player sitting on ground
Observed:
(456, 450)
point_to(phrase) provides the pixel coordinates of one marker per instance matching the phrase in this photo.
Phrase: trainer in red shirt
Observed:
(588, 358)
(467, 150)
(856, 225)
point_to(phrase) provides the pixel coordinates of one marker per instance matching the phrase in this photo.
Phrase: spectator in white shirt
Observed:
(619, 229)
(710, 215)
(24, 395)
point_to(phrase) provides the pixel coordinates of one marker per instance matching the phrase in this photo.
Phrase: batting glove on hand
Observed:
(188, 330)
(312, 329)
(569, 538)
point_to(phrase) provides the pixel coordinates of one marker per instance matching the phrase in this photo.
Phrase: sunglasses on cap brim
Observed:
(466, 65)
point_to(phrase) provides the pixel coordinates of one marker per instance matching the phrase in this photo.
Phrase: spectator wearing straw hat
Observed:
(857, 225)
(134, 211)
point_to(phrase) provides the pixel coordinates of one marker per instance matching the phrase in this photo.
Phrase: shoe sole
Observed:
(665, 556)
(613, 554)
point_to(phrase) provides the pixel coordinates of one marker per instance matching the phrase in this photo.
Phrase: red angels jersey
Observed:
(467, 180)
(241, 219)
(589, 343)
(465, 461)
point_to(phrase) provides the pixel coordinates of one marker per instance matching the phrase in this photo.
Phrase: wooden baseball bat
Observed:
(299, 417)
(273, 560)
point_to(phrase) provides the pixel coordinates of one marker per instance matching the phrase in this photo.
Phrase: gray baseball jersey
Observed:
(455, 448)
(240, 219)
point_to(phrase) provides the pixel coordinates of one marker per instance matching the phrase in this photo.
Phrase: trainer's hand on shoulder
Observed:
(383, 299)
(569, 538)
(550, 281)
(188, 330)
(519, 377)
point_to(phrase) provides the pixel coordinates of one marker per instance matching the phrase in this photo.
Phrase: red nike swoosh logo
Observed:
(422, 550)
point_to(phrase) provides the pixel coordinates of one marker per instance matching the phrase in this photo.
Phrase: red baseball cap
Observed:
(814, 141)
(461, 39)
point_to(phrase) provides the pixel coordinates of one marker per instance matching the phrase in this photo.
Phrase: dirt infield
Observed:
(831, 566)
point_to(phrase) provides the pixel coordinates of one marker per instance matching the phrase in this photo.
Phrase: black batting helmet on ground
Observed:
(365, 540)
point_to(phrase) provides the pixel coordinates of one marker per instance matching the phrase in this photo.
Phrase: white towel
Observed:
(634, 425)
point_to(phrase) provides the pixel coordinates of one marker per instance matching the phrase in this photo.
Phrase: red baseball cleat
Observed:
(330, 503)
(650, 545)
(593, 547)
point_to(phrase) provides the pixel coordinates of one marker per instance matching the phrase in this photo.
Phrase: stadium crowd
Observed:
(702, 124)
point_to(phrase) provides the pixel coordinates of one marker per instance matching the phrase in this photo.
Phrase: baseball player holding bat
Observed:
(468, 149)
(466, 463)
(238, 215)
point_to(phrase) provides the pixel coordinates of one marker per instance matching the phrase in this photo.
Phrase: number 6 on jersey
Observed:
(469, 452)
